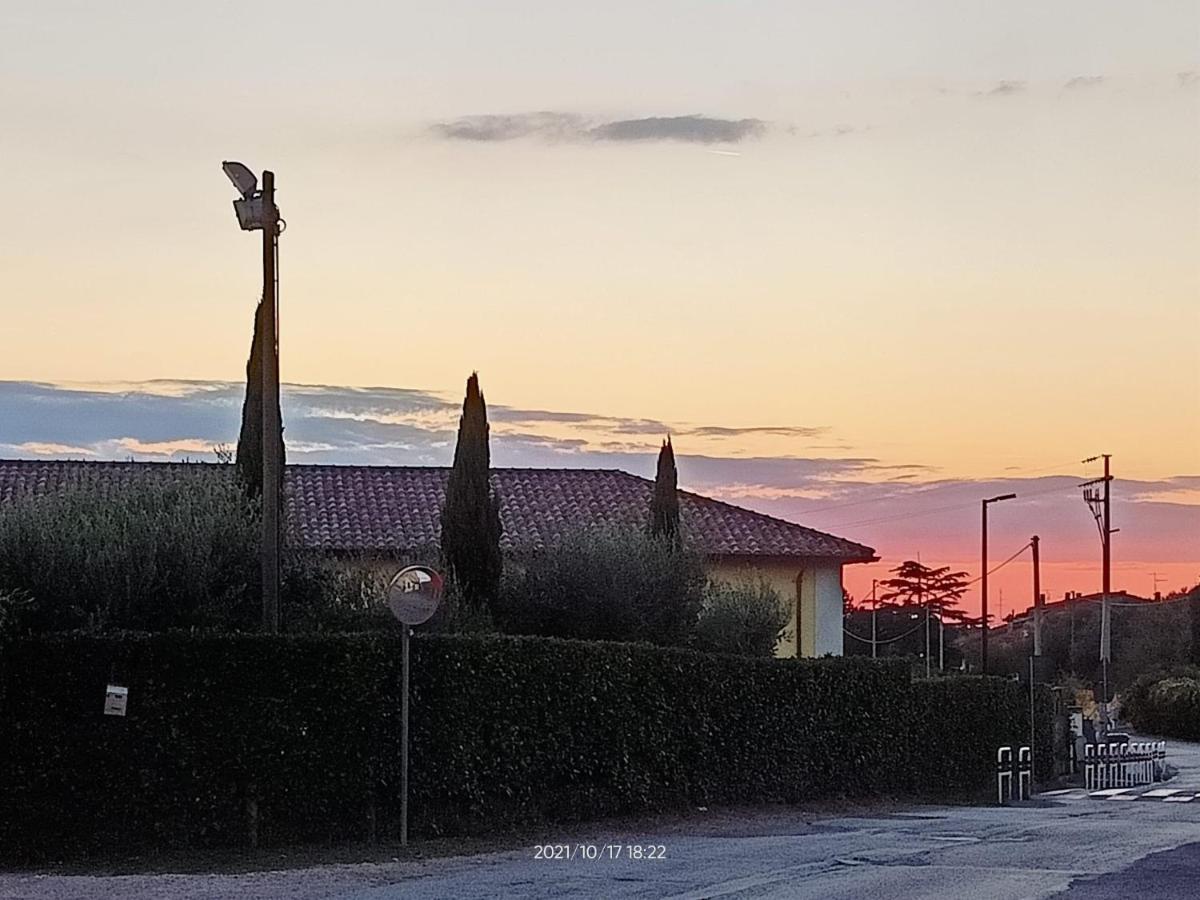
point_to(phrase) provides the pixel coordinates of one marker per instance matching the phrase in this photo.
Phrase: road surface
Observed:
(1144, 842)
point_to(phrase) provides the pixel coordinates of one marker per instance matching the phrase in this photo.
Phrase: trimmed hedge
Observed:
(951, 715)
(297, 737)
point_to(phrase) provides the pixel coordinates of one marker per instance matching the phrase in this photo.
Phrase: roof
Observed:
(387, 509)
(1056, 606)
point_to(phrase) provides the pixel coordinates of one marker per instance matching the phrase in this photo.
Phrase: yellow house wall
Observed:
(782, 577)
(813, 593)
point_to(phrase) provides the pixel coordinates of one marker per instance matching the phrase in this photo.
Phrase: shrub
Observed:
(1165, 703)
(746, 618)
(173, 553)
(333, 595)
(613, 584)
(504, 730)
(177, 553)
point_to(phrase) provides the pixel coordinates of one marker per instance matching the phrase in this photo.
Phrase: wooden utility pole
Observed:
(270, 413)
(925, 602)
(1106, 611)
(1102, 512)
(1034, 543)
(874, 614)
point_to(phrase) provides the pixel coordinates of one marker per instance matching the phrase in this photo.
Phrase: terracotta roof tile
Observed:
(388, 509)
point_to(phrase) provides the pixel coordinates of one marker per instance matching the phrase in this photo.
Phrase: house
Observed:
(381, 513)
(1071, 601)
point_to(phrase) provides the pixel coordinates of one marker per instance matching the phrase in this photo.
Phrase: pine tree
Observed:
(249, 445)
(471, 512)
(918, 585)
(664, 503)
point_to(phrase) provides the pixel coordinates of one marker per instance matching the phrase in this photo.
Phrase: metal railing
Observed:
(1113, 765)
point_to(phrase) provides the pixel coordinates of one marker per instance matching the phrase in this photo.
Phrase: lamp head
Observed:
(242, 178)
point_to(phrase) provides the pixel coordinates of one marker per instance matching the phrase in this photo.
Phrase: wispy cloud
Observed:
(1006, 88)
(559, 126)
(694, 129)
(1084, 81)
(781, 431)
(546, 125)
(1188, 79)
(900, 507)
(326, 423)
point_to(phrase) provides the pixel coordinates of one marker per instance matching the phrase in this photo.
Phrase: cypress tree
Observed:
(664, 502)
(471, 511)
(249, 446)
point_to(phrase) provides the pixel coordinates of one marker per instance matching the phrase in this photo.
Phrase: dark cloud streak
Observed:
(558, 126)
(1006, 88)
(692, 129)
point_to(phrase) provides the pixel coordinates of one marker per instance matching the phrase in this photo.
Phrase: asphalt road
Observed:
(1070, 846)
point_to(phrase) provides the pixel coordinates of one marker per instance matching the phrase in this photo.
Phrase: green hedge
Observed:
(305, 729)
(952, 717)
(1166, 704)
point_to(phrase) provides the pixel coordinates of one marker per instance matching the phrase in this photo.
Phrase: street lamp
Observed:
(256, 211)
(983, 648)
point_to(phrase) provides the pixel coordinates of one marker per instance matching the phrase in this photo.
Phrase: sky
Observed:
(865, 261)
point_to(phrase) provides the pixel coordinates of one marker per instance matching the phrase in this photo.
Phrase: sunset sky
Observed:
(867, 262)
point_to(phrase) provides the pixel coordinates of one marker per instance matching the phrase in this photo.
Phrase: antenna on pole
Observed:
(1097, 495)
(1157, 579)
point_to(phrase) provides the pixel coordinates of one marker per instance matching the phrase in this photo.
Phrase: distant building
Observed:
(1071, 600)
(376, 515)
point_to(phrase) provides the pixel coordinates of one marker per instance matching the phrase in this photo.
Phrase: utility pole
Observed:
(925, 602)
(1035, 661)
(983, 638)
(1035, 544)
(1102, 512)
(941, 641)
(270, 412)
(1106, 609)
(983, 643)
(874, 614)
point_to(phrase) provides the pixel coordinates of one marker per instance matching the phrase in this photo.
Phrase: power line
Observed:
(942, 596)
(888, 641)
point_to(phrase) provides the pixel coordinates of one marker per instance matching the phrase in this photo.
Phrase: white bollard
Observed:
(1004, 774)
(1024, 773)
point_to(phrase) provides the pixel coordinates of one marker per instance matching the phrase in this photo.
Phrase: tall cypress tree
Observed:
(664, 503)
(249, 445)
(471, 512)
